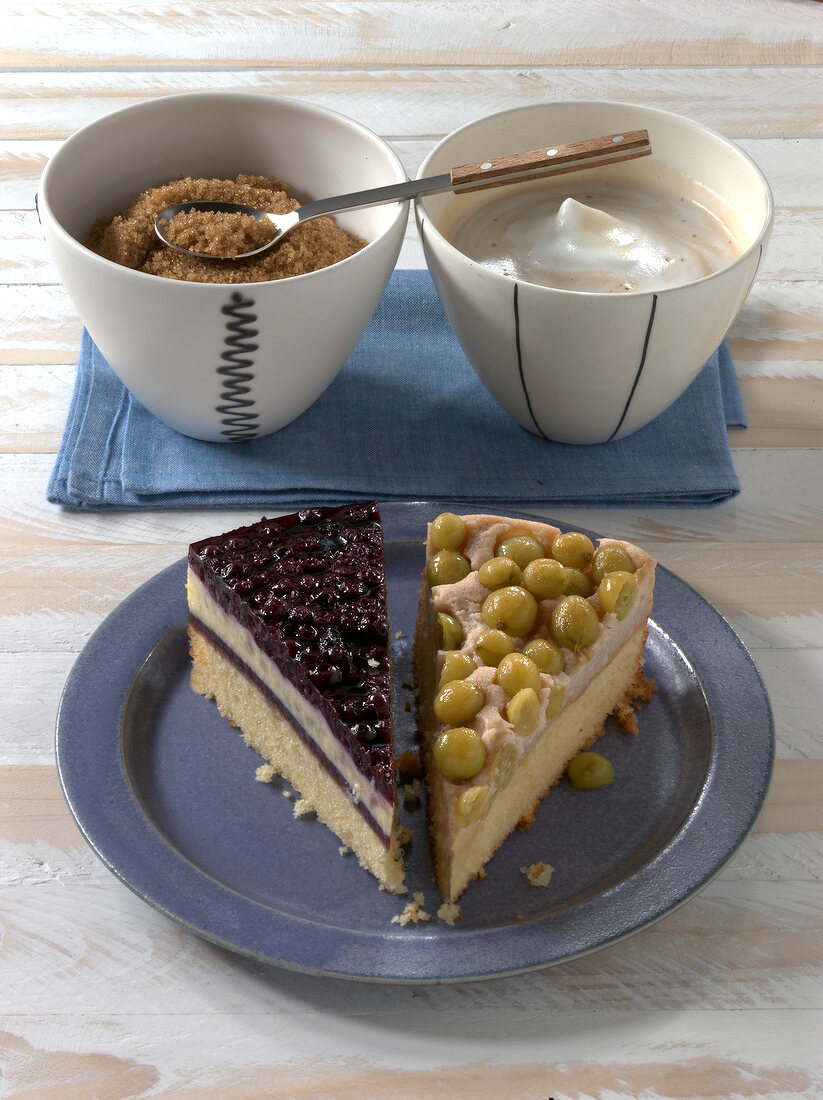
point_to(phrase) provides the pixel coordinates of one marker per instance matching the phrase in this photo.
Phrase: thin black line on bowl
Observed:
(519, 350)
(237, 412)
(639, 369)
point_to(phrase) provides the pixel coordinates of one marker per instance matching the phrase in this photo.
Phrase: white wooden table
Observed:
(101, 996)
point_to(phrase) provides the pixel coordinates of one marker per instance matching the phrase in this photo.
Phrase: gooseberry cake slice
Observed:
(288, 627)
(527, 639)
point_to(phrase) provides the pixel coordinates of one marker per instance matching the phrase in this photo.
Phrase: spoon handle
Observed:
(535, 164)
(555, 160)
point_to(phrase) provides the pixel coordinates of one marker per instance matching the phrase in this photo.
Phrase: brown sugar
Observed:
(129, 239)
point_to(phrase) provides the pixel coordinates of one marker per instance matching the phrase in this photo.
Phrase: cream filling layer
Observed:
(240, 640)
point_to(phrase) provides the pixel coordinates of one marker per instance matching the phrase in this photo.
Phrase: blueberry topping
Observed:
(309, 517)
(324, 675)
(350, 589)
(307, 544)
(311, 587)
(273, 607)
(358, 513)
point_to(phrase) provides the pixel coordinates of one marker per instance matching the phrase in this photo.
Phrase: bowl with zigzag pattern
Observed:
(222, 361)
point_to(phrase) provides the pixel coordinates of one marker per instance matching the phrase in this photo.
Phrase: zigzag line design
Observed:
(241, 423)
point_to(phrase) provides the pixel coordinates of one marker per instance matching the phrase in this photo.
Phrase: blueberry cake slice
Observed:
(288, 626)
(527, 639)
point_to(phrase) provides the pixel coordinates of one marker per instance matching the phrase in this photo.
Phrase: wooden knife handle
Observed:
(552, 160)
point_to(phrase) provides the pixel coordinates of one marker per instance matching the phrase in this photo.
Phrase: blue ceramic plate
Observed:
(164, 792)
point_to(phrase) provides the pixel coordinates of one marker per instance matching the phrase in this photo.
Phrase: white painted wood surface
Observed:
(100, 996)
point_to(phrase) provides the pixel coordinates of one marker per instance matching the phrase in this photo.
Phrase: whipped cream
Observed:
(605, 241)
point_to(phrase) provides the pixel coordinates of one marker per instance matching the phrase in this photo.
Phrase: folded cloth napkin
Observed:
(406, 419)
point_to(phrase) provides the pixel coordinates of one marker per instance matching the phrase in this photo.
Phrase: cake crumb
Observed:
(408, 763)
(627, 719)
(538, 874)
(265, 773)
(344, 850)
(449, 912)
(302, 807)
(404, 836)
(413, 912)
(411, 793)
(288, 794)
(372, 663)
(640, 692)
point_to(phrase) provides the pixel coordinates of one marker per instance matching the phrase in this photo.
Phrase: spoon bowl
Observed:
(281, 224)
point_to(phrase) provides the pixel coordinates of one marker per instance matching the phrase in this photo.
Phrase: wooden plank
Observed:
(781, 502)
(779, 321)
(748, 931)
(28, 714)
(253, 1054)
(793, 804)
(401, 102)
(23, 255)
(24, 259)
(38, 325)
(779, 315)
(42, 845)
(751, 945)
(34, 401)
(49, 609)
(39, 840)
(350, 35)
(792, 256)
(33, 809)
(54, 599)
(56, 605)
(40, 648)
(793, 167)
(793, 679)
(781, 413)
(21, 166)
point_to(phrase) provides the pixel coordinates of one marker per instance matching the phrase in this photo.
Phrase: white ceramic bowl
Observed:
(215, 361)
(590, 367)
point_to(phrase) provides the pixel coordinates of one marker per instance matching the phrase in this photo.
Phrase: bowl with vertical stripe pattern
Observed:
(581, 366)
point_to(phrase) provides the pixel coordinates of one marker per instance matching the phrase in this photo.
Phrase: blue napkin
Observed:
(406, 419)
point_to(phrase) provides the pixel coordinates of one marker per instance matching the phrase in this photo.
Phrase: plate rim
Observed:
(412, 954)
